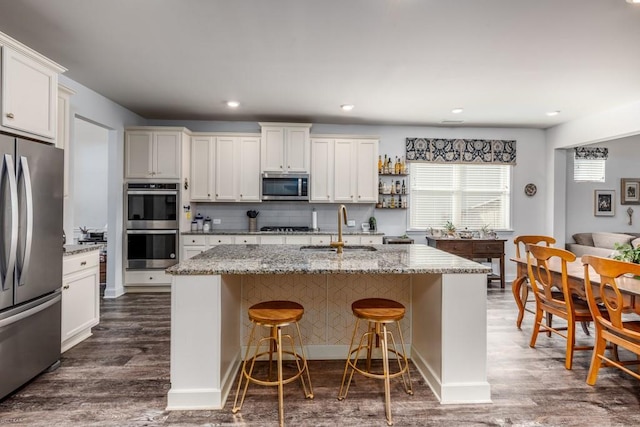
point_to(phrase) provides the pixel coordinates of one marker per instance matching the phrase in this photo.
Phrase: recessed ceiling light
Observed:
(457, 110)
(452, 122)
(233, 104)
(553, 113)
(347, 107)
(633, 1)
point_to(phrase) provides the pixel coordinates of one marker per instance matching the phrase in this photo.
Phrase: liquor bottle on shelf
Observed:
(392, 202)
(404, 188)
(389, 166)
(380, 186)
(403, 168)
(393, 188)
(396, 166)
(380, 164)
(385, 168)
(398, 189)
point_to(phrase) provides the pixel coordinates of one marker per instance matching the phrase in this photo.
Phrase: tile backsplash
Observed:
(233, 216)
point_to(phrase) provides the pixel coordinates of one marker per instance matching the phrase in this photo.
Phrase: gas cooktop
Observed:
(284, 229)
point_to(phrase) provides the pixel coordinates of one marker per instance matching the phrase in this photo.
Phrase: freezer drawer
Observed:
(29, 341)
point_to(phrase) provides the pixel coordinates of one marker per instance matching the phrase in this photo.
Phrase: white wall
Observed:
(622, 163)
(94, 107)
(91, 171)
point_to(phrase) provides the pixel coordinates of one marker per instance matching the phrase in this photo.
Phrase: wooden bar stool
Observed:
(378, 312)
(274, 315)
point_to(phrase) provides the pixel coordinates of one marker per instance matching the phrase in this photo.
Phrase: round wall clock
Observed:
(530, 189)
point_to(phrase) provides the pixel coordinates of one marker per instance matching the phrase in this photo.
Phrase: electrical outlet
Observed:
(351, 223)
(217, 221)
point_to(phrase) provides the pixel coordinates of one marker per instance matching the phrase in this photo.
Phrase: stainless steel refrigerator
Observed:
(31, 192)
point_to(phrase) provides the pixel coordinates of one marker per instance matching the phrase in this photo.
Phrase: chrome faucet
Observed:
(342, 210)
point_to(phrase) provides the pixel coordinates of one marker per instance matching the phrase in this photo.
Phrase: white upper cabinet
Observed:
(227, 159)
(153, 154)
(366, 167)
(344, 170)
(285, 147)
(249, 170)
(202, 162)
(225, 168)
(29, 91)
(321, 176)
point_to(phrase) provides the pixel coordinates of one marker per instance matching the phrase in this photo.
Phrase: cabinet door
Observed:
(297, 149)
(29, 95)
(366, 159)
(138, 153)
(80, 302)
(272, 149)
(191, 251)
(343, 185)
(202, 157)
(166, 155)
(249, 170)
(321, 175)
(225, 159)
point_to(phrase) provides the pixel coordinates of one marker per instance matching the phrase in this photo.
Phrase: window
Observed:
(468, 195)
(588, 170)
(589, 163)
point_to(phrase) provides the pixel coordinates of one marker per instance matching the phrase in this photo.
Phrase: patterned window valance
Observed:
(591, 153)
(461, 150)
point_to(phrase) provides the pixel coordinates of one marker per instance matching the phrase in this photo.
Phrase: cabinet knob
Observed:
(150, 277)
(65, 287)
(10, 115)
(216, 194)
(83, 263)
(241, 195)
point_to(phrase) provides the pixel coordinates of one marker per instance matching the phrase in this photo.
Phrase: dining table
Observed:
(629, 286)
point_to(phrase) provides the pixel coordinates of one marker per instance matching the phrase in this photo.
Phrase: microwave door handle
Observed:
(299, 186)
(23, 170)
(152, 231)
(152, 193)
(9, 170)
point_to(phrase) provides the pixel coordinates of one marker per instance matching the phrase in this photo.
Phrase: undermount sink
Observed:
(317, 248)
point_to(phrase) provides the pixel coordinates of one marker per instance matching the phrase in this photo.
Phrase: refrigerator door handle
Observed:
(13, 245)
(23, 169)
(30, 312)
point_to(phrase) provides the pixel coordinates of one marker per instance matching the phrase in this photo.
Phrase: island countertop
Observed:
(290, 259)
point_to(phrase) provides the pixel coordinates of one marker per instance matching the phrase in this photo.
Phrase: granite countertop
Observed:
(78, 249)
(289, 259)
(279, 233)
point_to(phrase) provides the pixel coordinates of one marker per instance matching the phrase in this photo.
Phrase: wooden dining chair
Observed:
(520, 292)
(610, 326)
(557, 303)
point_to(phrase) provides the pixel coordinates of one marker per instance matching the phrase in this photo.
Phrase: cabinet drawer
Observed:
(271, 240)
(297, 240)
(488, 248)
(371, 240)
(457, 248)
(321, 240)
(194, 240)
(149, 277)
(73, 263)
(248, 240)
(220, 240)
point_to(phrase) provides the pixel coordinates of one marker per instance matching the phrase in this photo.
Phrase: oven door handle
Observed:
(152, 231)
(152, 193)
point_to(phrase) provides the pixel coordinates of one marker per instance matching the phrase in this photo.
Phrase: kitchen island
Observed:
(445, 325)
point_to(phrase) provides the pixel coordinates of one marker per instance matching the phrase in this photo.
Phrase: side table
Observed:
(474, 249)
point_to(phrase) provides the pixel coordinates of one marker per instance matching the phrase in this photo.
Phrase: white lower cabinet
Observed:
(147, 280)
(80, 297)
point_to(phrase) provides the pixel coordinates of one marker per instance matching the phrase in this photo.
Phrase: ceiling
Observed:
(506, 62)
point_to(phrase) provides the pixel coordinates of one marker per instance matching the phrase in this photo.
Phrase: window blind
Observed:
(468, 195)
(588, 170)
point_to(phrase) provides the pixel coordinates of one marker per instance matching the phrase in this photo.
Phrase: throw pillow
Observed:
(608, 240)
(583, 239)
(635, 243)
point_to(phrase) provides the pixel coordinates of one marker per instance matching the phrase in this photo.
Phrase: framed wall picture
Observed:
(630, 191)
(604, 202)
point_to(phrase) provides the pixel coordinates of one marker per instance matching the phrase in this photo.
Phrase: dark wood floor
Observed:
(120, 377)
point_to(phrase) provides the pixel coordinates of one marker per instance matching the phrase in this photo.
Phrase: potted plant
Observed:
(626, 253)
(449, 228)
(484, 231)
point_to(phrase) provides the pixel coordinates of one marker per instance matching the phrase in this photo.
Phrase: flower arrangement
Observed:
(449, 228)
(626, 253)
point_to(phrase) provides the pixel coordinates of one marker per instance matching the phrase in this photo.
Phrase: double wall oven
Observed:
(152, 212)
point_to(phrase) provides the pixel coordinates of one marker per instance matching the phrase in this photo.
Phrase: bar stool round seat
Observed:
(378, 312)
(274, 315)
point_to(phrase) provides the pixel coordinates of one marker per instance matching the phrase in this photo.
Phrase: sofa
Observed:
(600, 243)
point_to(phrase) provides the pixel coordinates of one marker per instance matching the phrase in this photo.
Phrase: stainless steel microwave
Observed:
(285, 186)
